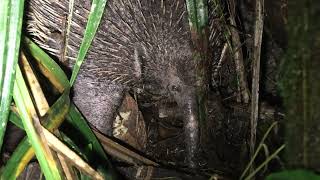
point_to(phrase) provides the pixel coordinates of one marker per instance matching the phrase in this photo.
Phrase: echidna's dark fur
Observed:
(143, 44)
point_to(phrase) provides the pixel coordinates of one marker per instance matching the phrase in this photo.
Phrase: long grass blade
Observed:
(4, 17)
(24, 152)
(257, 150)
(54, 117)
(192, 14)
(39, 98)
(30, 122)
(75, 118)
(10, 34)
(62, 149)
(197, 14)
(96, 12)
(273, 155)
(48, 66)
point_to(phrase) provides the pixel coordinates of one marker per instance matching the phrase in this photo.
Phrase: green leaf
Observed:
(48, 64)
(24, 152)
(53, 118)
(96, 12)
(25, 106)
(103, 164)
(197, 14)
(11, 13)
(299, 174)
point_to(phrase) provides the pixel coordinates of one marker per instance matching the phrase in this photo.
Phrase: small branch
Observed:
(66, 34)
(122, 152)
(222, 58)
(238, 57)
(256, 74)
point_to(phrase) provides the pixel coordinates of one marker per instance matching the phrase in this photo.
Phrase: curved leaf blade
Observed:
(96, 12)
(11, 23)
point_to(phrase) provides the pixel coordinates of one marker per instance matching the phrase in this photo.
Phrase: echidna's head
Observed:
(167, 66)
(170, 72)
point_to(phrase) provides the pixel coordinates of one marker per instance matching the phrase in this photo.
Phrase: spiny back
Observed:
(136, 38)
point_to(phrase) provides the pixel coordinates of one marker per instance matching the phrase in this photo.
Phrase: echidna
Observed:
(142, 45)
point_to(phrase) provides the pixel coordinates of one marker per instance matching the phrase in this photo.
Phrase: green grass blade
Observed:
(273, 155)
(24, 152)
(257, 150)
(15, 119)
(197, 14)
(96, 12)
(47, 62)
(192, 14)
(75, 118)
(295, 174)
(13, 167)
(24, 103)
(10, 34)
(54, 117)
(24, 148)
(202, 14)
(4, 17)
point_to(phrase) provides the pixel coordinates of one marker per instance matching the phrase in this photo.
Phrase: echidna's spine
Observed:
(152, 28)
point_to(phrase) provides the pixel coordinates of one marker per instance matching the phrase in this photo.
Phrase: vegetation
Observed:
(77, 153)
(20, 82)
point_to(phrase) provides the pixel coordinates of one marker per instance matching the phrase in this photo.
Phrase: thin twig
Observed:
(122, 152)
(222, 58)
(238, 57)
(67, 33)
(256, 74)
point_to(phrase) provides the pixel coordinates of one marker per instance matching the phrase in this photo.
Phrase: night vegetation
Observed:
(257, 97)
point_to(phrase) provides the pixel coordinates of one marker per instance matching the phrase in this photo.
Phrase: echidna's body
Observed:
(142, 44)
(135, 37)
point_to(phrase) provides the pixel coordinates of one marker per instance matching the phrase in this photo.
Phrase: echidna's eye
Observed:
(175, 88)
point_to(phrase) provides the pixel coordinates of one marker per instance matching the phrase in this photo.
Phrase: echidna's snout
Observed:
(189, 110)
(186, 98)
